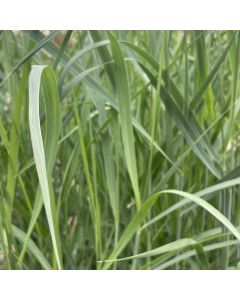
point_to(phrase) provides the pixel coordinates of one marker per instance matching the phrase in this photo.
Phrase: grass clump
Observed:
(119, 150)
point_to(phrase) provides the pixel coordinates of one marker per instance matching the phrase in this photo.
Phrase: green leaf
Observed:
(45, 158)
(174, 246)
(125, 116)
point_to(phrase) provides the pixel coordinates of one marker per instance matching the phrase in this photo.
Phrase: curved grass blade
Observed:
(45, 158)
(208, 191)
(141, 214)
(174, 246)
(208, 207)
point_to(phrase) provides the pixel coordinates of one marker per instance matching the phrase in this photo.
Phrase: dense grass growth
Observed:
(119, 150)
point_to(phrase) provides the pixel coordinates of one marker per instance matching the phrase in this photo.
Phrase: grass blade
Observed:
(44, 160)
(125, 116)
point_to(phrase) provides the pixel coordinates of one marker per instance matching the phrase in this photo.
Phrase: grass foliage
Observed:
(119, 150)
